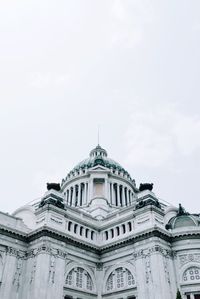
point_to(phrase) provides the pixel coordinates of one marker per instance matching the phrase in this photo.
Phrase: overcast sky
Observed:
(132, 67)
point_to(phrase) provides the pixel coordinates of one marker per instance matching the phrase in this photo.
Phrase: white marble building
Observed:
(99, 236)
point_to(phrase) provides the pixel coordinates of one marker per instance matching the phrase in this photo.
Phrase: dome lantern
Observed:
(98, 151)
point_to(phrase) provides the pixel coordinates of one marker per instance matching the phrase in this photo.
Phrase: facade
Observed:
(97, 235)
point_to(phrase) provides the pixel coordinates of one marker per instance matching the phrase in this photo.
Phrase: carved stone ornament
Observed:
(33, 270)
(99, 266)
(52, 266)
(148, 274)
(152, 250)
(44, 248)
(15, 252)
(166, 268)
(187, 258)
(18, 272)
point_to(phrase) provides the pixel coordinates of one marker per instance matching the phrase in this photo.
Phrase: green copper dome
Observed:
(98, 156)
(183, 219)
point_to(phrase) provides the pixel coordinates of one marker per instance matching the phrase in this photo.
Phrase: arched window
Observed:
(92, 235)
(79, 278)
(192, 274)
(120, 278)
(112, 233)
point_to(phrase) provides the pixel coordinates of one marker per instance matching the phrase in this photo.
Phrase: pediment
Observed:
(99, 168)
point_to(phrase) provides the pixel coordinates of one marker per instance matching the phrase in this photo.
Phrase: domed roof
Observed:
(183, 219)
(98, 156)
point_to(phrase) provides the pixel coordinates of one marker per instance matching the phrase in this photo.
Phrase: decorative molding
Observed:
(15, 252)
(33, 270)
(166, 268)
(18, 271)
(44, 248)
(188, 258)
(99, 266)
(52, 266)
(148, 274)
(152, 250)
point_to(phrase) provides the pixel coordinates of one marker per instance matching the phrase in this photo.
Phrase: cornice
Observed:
(61, 236)
(13, 233)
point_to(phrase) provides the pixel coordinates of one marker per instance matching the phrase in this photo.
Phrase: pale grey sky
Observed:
(133, 67)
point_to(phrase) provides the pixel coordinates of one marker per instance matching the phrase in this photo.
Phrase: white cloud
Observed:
(129, 19)
(157, 133)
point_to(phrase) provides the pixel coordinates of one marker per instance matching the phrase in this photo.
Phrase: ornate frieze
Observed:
(187, 258)
(15, 252)
(151, 250)
(44, 248)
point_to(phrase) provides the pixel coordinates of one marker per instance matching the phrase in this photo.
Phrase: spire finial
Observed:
(98, 133)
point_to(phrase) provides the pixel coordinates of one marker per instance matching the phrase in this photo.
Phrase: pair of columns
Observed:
(119, 197)
(77, 194)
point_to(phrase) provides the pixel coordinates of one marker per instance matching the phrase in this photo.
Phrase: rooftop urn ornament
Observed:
(146, 186)
(54, 186)
(181, 211)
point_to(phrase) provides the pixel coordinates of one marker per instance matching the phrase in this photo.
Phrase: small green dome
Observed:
(184, 221)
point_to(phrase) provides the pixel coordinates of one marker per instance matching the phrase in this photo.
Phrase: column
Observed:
(69, 196)
(74, 195)
(115, 194)
(79, 195)
(109, 197)
(85, 192)
(90, 189)
(118, 195)
(123, 196)
(111, 194)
